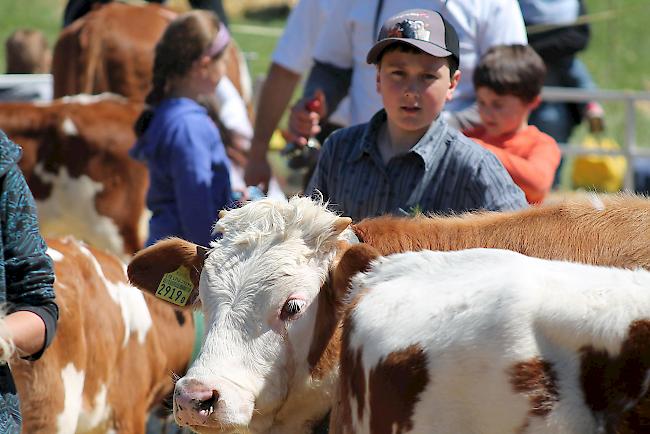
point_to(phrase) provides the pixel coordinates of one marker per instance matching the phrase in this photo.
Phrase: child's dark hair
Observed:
(511, 70)
(185, 40)
(408, 48)
(27, 52)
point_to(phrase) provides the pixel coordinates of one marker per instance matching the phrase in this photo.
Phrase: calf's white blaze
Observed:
(249, 353)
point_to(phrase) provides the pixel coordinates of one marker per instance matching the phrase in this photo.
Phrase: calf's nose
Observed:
(194, 403)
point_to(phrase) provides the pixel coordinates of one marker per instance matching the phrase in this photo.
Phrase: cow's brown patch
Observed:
(395, 385)
(352, 383)
(99, 150)
(325, 346)
(613, 385)
(90, 337)
(324, 350)
(617, 235)
(637, 420)
(109, 51)
(537, 380)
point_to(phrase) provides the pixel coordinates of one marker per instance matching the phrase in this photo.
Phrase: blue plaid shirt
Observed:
(462, 176)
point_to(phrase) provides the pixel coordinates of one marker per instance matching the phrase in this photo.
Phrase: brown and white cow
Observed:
(114, 353)
(492, 341)
(76, 162)
(111, 49)
(273, 301)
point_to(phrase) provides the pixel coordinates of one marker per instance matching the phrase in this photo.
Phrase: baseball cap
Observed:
(422, 28)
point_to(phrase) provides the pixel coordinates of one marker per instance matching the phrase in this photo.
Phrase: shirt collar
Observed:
(369, 138)
(429, 147)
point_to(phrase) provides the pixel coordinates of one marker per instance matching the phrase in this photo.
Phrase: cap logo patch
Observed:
(409, 29)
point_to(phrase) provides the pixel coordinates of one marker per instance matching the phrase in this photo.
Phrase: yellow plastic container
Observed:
(603, 173)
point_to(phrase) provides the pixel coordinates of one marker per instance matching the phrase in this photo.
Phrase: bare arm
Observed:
(274, 99)
(27, 331)
(328, 83)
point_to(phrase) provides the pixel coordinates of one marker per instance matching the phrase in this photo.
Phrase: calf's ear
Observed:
(170, 269)
(356, 259)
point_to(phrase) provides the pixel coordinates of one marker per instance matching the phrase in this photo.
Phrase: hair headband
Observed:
(220, 41)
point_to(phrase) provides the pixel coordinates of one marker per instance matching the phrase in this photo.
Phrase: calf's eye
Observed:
(292, 309)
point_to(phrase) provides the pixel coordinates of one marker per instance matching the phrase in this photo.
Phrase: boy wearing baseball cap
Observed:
(407, 158)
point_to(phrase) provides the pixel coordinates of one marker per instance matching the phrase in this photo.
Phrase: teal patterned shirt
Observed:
(26, 272)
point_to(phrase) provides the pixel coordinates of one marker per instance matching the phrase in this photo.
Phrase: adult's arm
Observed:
(291, 58)
(33, 314)
(331, 74)
(330, 79)
(275, 95)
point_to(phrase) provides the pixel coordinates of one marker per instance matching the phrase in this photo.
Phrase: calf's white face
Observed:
(258, 290)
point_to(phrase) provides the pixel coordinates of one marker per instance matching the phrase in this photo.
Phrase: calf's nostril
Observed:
(208, 404)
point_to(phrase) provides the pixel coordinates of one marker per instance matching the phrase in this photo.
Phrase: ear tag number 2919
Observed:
(175, 287)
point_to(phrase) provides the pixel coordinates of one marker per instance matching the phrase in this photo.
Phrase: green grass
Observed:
(259, 48)
(617, 59)
(44, 15)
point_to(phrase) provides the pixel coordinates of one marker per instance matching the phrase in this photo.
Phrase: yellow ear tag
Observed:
(176, 287)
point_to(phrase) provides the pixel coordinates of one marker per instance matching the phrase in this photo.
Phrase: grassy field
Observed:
(45, 15)
(616, 57)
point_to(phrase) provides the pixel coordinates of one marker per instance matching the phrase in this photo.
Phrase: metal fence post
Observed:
(629, 148)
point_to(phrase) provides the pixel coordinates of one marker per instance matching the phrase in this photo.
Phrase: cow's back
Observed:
(109, 50)
(600, 230)
(76, 162)
(112, 357)
(488, 341)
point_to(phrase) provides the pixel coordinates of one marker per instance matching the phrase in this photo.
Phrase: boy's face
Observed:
(503, 114)
(414, 88)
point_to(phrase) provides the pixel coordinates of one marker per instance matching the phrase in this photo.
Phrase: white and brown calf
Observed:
(273, 290)
(114, 353)
(490, 341)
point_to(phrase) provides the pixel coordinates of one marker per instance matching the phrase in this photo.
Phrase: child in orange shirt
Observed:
(508, 82)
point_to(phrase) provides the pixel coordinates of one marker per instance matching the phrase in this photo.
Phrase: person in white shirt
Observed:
(350, 31)
(292, 58)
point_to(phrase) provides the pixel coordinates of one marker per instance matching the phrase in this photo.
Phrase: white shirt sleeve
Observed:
(334, 44)
(295, 47)
(232, 109)
(502, 25)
